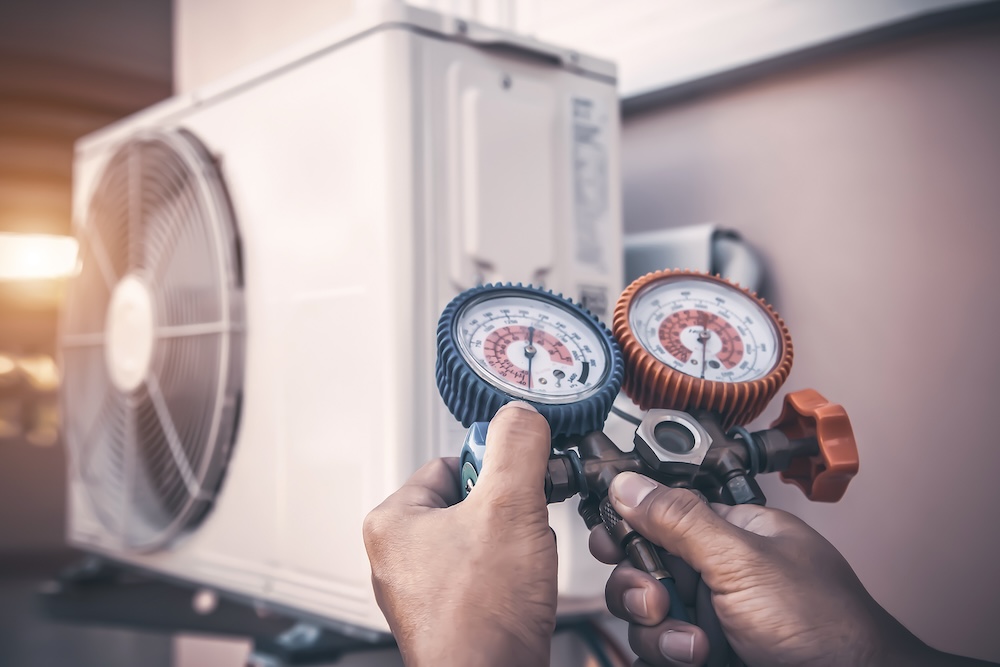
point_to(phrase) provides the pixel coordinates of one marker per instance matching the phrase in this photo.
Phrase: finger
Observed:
(603, 546)
(681, 523)
(636, 596)
(670, 643)
(518, 445)
(435, 485)
(764, 521)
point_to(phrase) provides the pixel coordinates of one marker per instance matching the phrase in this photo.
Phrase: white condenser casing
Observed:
(335, 198)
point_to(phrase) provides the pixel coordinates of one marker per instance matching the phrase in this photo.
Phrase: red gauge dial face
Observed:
(532, 348)
(706, 329)
(681, 331)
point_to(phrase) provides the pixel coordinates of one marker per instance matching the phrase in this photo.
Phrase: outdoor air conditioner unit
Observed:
(248, 349)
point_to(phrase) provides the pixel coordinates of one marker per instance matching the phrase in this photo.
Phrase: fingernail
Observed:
(518, 404)
(677, 645)
(629, 488)
(635, 602)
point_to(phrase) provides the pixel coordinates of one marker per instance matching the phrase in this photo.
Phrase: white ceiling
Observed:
(660, 44)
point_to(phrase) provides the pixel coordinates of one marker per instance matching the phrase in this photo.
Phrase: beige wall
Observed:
(871, 184)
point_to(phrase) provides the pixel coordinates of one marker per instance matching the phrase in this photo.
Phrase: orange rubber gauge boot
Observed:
(695, 341)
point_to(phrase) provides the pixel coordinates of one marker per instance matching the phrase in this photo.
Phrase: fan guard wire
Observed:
(151, 457)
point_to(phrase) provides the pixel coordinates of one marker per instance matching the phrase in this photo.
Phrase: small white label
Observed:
(590, 179)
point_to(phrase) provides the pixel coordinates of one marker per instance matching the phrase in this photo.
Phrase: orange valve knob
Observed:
(824, 476)
(695, 341)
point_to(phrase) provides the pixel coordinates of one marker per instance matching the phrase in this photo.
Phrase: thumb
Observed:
(518, 445)
(680, 522)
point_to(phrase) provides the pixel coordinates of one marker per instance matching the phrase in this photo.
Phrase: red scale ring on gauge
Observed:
(673, 326)
(533, 346)
(740, 372)
(496, 352)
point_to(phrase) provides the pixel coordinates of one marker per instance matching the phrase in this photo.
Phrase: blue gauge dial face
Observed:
(534, 348)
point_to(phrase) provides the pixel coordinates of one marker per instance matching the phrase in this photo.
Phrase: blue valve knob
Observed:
(471, 458)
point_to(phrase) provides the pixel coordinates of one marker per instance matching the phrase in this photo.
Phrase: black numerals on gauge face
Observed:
(534, 349)
(705, 329)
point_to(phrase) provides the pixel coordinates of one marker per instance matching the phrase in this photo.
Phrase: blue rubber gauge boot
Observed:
(499, 343)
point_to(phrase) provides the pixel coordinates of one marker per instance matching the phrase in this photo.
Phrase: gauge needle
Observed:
(703, 339)
(529, 351)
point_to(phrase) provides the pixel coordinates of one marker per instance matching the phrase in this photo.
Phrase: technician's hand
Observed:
(472, 583)
(783, 594)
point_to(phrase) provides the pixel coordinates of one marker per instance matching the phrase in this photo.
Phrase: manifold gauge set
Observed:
(699, 355)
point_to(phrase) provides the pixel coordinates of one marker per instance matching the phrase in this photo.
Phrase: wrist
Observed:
(483, 644)
(929, 657)
(895, 652)
(898, 646)
(881, 640)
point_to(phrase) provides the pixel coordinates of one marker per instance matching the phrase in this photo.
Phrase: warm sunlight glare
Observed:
(36, 256)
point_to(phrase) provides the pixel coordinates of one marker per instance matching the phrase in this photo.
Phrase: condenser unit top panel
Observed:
(366, 21)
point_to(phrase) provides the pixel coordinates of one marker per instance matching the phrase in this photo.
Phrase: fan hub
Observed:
(130, 328)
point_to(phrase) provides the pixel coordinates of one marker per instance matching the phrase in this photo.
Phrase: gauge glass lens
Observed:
(705, 329)
(532, 347)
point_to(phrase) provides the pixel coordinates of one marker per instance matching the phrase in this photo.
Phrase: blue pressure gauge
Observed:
(499, 343)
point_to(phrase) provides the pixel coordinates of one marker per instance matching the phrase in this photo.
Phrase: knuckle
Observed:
(671, 506)
(621, 579)
(678, 511)
(612, 590)
(438, 468)
(439, 465)
(506, 505)
(522, 423)
(375, 528)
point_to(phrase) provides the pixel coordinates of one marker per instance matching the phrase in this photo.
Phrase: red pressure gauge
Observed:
(696, 341)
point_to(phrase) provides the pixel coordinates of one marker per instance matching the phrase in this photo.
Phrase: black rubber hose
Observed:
(677, 609)
(719, 652)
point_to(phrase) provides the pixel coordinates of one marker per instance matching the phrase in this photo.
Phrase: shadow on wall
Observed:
(869, 184)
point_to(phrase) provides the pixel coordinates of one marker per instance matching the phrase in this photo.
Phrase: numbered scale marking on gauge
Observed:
(503, 342)
(532, 347)
(705, 329)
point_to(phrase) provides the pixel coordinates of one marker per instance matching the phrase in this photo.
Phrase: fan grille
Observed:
(151, 453)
